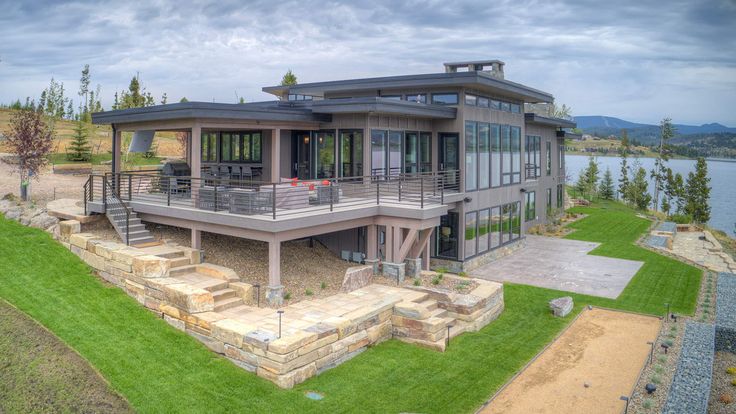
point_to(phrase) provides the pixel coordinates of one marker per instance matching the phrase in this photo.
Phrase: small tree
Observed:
(659, 172)
(289, 79)
(638, 190)
(623, 181)
(591, 174)
(31, 140)
(606, 188)
(697, 193)
(79, 149)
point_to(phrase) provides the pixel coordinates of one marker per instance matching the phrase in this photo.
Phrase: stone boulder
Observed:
(43, 221)
(13, 213)
(561, 307)
(357, 277)
(6, 205)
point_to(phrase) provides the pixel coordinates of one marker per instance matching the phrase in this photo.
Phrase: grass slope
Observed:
(159, 369)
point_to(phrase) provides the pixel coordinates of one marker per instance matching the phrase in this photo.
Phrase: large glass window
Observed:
(209, 147)
(470, 233)
(446, 236)
(548, 153)
(378, 152)
(533, 157)
(471, 157)
(417, 97)
(549, 200)
(516, 154)
(325, 154)
(505, 223)
(560, 195)
(495, 155)
(530, 207)
(484, 156)
(471, 100)
(484, 230)
(394, 152)
(351, 153)
(252, 147)
(411, 155)
(425, 152)
(444, 98)
(495, 227)
(515, 220)
(506, 154)
(561, 160)
(483, 102)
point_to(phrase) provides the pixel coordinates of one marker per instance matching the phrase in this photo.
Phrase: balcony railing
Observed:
(279, 200)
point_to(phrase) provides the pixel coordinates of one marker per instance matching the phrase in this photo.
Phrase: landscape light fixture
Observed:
(651, 351)
(280, 312)
(625, 398)
(258, 294)
(674, 317)
(448, 336)
(665, 347)
(650, 388)
(668, 308)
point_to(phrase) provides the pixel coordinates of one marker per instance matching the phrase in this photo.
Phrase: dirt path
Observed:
(39, 374)
(43, 189)
(604, 349)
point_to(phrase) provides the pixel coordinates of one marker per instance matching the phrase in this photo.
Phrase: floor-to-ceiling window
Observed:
(495, 227)
(446, 236)
(548, 153)
(378, 151)
(515, 154)
(425, 151)
(395, 139)
(470, 233)
(324, 154)
(495, 155)
(549, 200)
(411, 152)
(560, 195)
(530, 206)
(506, 154)
(484, 230)
(533, 157)
(209, 147)
(471, 157)
(351, 153)
(484, 155)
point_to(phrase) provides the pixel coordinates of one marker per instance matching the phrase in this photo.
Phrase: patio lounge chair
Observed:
(249, 202)
(206, 200)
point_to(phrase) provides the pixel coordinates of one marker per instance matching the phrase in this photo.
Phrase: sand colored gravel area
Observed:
(604, 349)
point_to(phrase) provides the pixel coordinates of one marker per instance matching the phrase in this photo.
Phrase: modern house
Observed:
(443, 169)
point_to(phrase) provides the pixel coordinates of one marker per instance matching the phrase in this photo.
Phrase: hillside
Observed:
(709, 140)
(99, 136)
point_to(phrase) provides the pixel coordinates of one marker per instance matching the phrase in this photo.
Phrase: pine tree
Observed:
(659, 172)
(183, 99)
(581, 186)
(697, 193)
(606, 188)
(79, 149)
(289, 79)
(638, 190)
(591, 174)
(623, 181)
(164, 99)
(84, 97)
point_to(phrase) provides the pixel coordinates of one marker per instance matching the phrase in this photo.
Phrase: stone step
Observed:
(458, 327)
(179, 261)
(429, 304)
(222, 294)
(438, 313)
(199, 280)
(227, 304)
(141, 240)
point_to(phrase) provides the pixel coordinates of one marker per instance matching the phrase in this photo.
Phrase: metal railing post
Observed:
(401, 180)
(215, 192)
(273, 201)
(91, 187)
(421, 191)
(168, 194)
(127, 227)
(378, 190)
(331, 195)
(104, 192)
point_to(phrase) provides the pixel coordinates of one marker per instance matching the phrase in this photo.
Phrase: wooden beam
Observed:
(422, 243)
(275, 155)
(274, 263)
(411, 237)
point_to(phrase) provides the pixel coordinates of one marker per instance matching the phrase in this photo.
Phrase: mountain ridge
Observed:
(594, 122)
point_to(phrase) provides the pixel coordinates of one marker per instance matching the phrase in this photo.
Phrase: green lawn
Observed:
(159, 369)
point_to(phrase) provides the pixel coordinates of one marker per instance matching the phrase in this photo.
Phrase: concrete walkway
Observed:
(564, 265)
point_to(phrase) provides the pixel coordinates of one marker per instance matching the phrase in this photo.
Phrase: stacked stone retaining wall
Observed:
(690, 388)
(726, 313)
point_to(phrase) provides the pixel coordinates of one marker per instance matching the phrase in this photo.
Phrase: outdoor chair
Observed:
(327, 194)
(250, 202)
(206, 200)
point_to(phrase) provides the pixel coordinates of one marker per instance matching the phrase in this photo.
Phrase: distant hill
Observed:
(711, 139)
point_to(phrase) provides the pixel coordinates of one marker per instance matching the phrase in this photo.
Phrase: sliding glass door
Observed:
(351, 153)
(324, 154)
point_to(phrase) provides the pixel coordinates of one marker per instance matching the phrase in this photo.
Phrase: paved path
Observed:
(564, 265)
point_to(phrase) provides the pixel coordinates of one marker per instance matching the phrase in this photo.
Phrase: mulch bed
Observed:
(40, 374)
(721, 388)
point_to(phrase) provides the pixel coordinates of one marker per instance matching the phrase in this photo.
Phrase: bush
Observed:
(733, 382)
(323, 285)
(668, 342)
(725, 398)
(655, 379)
(287, 296)
(436, 280)
(647, 403)
(662, 359)
(308, 292)
(681, 218)
(731, 370)
(441, 270)
(417, 282)
(462, 274)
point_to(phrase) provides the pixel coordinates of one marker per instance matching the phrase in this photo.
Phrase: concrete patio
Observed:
(564, 265)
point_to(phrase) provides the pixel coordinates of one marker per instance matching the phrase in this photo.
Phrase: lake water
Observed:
(722, 181)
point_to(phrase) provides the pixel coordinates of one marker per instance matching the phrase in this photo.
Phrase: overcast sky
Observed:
(638, 60)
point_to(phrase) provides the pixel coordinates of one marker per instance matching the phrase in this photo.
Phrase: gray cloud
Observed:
(639, 60)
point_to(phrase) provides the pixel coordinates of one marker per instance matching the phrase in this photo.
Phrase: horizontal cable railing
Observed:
(287, 198)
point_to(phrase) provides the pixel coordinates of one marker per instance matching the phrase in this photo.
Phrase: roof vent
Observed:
(492, 67)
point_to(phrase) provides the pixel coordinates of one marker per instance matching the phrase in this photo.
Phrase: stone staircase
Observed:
(137, 230)
(225, 288)
(422, 322)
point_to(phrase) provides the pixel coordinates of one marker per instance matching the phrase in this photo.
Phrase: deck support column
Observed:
(371, 247)
(425, 257)
(195, 146)
(275, 290)
(275, 155)
(117, 141)
(196, 239)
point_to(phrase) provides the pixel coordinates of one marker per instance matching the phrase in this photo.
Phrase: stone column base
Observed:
(373, 263)
(413, 267)
(275, 295)
(395, 271)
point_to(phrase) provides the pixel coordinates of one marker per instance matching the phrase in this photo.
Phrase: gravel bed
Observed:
(433, 280)
(690, 389)
(721, 387)
(306, 272)
(726, 313)
(705, 311)
(660, 371)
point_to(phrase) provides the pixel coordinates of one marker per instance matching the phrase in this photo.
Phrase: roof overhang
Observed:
(532, 118)
(383, 106)
(262, 111)
(476, 80)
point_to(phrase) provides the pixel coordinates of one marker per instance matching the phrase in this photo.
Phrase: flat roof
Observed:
(266, 111)
(476, 79)
(533, 118)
